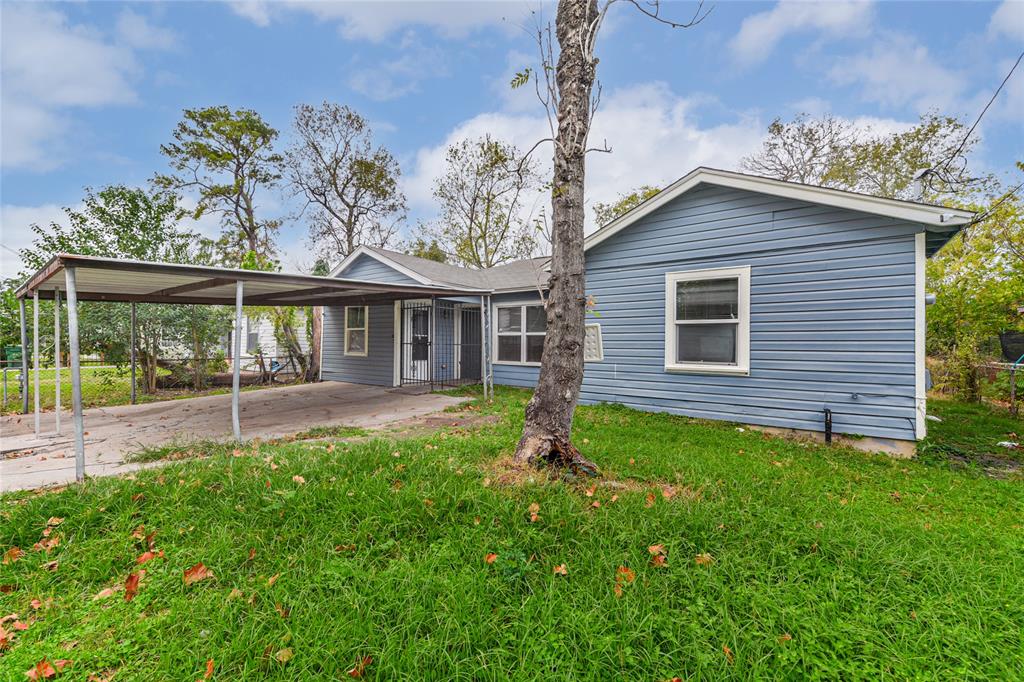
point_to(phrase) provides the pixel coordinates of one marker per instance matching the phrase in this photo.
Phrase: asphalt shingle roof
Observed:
(520, 274)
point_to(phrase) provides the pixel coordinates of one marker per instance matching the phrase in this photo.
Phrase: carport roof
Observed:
(120, 280)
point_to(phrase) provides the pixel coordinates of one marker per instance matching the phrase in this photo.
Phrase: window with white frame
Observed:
(356, 328)
(520, 333)
(707, 321)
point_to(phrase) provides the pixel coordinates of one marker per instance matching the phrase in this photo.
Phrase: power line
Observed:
(982, 114)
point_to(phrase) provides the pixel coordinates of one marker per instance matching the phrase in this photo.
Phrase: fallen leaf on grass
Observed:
(659, 561)
(19, 626)
(649, 500)
(282, 610)
(704, 559)
(36, 604)
(47, 544)
(591, 490)
(560, 569)
(54, 521)
(131, 586)
(595, 505)
(534, 509)
(654, 550)
(299, 479)
(728, 653)
(148, 555)
(490, 558)
(209, 669)
(428, 503)
(6, 638)
(345, 548)
(105, 593)
(13, 554)
(44, 670)
(138, 497)
(623, 576)
(785, 637)
(197, 573)
(273, 579)
(284, 655)
(360, 667)
(50, 565)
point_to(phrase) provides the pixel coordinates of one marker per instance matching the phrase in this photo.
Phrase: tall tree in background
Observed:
(431, 250)
(802, 150)
(484, 193)
(350, 185)
(605, 213)
(831, 152)
(567, 91)
(132, 223)
(227, 157)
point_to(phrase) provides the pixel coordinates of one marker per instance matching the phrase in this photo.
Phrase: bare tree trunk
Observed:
(313, 369)
(548, 426)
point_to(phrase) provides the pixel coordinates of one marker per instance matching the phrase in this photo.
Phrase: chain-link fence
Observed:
(107, 384)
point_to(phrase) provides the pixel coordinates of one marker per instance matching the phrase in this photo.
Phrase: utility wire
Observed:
(970, 132)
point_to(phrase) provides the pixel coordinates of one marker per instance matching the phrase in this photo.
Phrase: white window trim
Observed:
(365, 329)
(742, 366)
(600, 344)
(522, 334)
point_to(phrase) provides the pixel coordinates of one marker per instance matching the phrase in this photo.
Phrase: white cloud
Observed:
(50, 65)
(653, 132)
(135, 30)
(376, 21)
(15, 233)
(760, 33)
(1008, 20)
(898, 71)
(390, 80)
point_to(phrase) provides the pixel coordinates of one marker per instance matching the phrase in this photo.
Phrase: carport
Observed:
(87, 278)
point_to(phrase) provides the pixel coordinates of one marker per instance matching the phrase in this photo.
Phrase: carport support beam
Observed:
(76, 373)
(483, 338)
(24, 357)
(237, 366)
(35, 355)
(133, 351)
(56, 361)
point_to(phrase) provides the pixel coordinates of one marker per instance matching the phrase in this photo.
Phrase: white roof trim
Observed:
(365, 251)
(910, 211)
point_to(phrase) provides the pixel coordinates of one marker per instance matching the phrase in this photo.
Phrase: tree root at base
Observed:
(555, 452)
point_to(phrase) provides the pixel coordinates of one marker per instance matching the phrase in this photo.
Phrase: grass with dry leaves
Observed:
(705, 551)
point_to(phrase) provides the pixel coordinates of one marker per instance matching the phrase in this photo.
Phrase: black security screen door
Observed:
(440, 343)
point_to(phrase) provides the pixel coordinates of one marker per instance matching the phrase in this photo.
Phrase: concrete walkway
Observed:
(112, 432)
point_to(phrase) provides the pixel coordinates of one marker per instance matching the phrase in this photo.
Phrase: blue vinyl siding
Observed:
(377, 367)
(372, 270)
(831, 313)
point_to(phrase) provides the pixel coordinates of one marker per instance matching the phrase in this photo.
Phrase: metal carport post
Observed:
(76, 373)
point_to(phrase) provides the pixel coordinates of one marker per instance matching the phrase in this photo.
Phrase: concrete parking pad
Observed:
(112, 432)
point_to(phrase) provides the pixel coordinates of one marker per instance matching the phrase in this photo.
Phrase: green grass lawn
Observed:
(970, 433)
(784, 560)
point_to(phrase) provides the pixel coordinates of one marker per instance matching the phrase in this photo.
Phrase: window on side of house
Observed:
(520, 333)
(356, 330)
(252, 335)
(707, 321)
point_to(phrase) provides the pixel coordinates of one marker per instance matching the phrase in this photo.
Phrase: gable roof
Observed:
(515, 276)
(941, 222)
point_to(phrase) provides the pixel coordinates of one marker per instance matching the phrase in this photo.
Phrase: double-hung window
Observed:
(707, 321)
(520, 333)
(356, 328)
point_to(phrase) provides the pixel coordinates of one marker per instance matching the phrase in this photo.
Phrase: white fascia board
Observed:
(925, 214)
(363, 251)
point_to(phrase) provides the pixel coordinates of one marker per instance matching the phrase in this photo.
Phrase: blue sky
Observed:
(90, 90)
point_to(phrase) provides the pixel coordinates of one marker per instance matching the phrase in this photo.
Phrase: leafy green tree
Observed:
(228, 158)
(350, 185)
(831, 152)
(605, 213)
(484, 193)
(978, 282)
(132, 223)
(423, 249)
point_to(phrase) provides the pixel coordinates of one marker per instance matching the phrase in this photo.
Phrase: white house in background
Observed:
(259, 336)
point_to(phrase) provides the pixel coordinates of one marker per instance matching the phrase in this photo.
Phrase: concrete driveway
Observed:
(112, 432)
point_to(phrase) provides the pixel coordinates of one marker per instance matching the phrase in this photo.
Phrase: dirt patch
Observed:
(457, 423)
(509, 472)
(993, 465)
